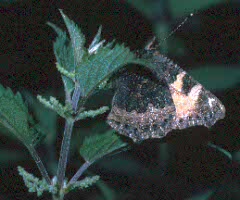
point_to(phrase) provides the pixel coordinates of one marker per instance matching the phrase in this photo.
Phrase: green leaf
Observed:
(14, 116)
(5, 131)
(97, 67)
(58, 30)
(92, 113)
(97, 146)
(77, 39)
(34, 184)
(46, 118)
(64, 72)
(85, 183)
(64, 111)
(64, 54)
(90, 68)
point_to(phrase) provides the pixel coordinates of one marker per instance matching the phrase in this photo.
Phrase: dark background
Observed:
(181, 166)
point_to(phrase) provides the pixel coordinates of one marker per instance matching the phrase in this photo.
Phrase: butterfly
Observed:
(150, 103)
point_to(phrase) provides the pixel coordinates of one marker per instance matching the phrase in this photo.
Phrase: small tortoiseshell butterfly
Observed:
(150, 104)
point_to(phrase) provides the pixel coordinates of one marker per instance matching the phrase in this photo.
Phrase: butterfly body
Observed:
(164, 97)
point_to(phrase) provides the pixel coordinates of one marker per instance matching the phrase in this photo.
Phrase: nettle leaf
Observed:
(34, 184)
(97, 146)
(53, 104)
(46, 117)
(14, 116)
(85, 183)
(88, 68)
(77, 39)
(91, 113)
(97, 67)
(64, 54)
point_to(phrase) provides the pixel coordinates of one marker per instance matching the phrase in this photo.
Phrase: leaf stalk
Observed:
(79, 173)
(39, 163)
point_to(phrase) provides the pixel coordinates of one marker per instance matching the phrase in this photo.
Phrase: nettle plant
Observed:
(143, 106)
(83, 71)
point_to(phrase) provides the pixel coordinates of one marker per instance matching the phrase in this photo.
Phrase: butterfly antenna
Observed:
(174, 30)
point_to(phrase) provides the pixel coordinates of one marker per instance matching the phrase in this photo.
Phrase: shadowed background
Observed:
(181, 166)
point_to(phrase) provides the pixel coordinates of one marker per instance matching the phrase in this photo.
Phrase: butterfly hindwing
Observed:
(141, 107)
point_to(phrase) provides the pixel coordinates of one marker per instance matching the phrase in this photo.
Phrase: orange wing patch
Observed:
(185, 104)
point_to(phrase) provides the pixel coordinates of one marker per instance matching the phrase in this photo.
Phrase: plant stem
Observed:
(39, 163)
(62, 164)
(57, 197)
(75, 97)
(79, 173)
(64, 152)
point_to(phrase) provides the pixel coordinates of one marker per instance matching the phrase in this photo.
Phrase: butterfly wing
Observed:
(151, 104)
(193, 103)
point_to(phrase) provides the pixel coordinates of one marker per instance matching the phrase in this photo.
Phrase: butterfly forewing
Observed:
(151, 104)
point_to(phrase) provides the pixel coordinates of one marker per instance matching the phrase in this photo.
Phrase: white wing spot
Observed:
(210, 102)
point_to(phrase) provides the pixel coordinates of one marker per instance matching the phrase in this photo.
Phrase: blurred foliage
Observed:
(7, 156)
(236, 156)
(215, 78)
(151, 8)
(205, 196)
(7, 2)
(125, 166)
(188, 6)
(218, 148)
(107, 193)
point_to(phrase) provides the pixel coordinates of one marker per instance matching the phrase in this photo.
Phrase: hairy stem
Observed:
(39, 163)
(79, 173)
(75, 97)
(62, 164)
